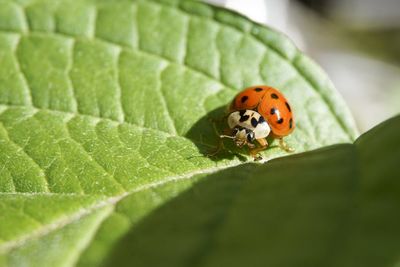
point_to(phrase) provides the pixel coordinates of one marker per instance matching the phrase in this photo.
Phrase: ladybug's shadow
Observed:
(205, 135)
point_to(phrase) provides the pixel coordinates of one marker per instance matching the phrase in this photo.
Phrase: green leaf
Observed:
(335, 206)
(103, 114)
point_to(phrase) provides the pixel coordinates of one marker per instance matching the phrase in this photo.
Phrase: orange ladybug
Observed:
(254, 114)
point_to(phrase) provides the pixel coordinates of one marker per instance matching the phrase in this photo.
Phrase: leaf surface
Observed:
(108, 102)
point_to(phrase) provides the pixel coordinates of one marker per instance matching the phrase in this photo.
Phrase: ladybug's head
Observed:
(241, 136)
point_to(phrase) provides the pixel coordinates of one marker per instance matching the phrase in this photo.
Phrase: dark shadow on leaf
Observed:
(205, 136)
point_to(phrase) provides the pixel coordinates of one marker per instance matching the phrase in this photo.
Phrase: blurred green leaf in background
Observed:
(98, 105)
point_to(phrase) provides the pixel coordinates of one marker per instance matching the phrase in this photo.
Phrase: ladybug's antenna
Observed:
(226, 136)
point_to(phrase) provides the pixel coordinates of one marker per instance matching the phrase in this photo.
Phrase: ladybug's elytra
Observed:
(271, 104)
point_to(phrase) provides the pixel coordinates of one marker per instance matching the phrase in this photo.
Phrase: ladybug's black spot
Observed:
(258, 89)
(273, 111)
(280, 121)
(244, 98)
(290, 123)
(244, 118)
(254, 122)
(288, 107)
(261, 119)
(274, 96)
(241, 113)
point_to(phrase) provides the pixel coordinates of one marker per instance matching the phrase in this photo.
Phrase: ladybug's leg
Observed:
(283, 145)
(254, 152)
(220, 145)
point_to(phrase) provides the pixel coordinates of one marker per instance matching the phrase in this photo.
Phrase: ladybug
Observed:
(254, 114)
(271, 104)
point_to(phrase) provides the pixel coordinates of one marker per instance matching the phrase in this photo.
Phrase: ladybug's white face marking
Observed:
(250, 122)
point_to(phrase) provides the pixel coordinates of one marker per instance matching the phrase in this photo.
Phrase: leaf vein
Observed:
(69, 79)
(121, 109)
(29, 95)
(164, 103)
